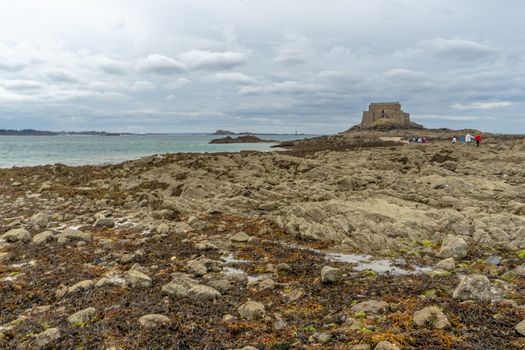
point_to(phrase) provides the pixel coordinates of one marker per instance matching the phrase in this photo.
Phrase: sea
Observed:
(20, 151)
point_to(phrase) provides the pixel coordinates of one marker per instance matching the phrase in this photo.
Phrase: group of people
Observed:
(417, 140)
(467, 139)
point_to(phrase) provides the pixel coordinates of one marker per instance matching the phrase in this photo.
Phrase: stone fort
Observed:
(385, 113)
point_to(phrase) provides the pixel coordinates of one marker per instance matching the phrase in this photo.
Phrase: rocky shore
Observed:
(364, 244)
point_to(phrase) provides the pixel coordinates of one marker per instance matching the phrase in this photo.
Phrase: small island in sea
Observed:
(241, 139)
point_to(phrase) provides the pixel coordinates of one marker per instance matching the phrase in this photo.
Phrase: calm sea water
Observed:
(80, 150)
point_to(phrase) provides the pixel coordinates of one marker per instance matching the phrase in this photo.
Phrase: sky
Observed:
(274, 66)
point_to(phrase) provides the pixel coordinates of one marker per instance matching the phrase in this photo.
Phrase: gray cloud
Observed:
(160, 64)
(232, 77)
(457, 49)
(287, 87)
(21, 84)
(198, 59)
(59, 75)
(112, 67)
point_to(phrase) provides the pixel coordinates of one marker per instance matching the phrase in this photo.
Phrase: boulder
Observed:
(520, 328)
(331, 274)
(104, 223)
(17, 235)
(82, 316)
(221, 285)
(386, 345)
(240, 237)
(266, 284)
(447, 264)
(197, 268)
(81, 286)
(73, 235)
(43, 237)
(110, 281)
(431, 317)
(4, 256)
(153, 321)
(473, 287)
(371, 307)
(453, 247)
(175, 289)
(47, 337)
(203, 293)
(39, 220)
(162, 228)
(251, 310)
(137, 279)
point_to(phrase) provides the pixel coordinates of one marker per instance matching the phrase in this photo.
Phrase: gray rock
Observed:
(360, 347)
(73, 235)
(493, 260)
(386, 345)
(331, 274)
(321, 338)
(39, 220)
(162, 228)
(82, 316)
(518, 271)
(104, 223)
(240, 237)
(251, 310)
(153, 321)
(371, 307)
(203, 293)
(197, 268)
(222, 285)
(473, 287)
(17, 235)
(266, 284)
(206, 246)
(175, 289)
(447, 264)
(520, 328)
(47, 337)
(283, 267)
(81, 286)
(110, 281)
(453, 247)
(43, 237)
(431, 317)
(4, 256)
(137, 279)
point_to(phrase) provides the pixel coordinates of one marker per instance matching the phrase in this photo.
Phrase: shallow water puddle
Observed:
(363, 262)
(381, 266)
(228, 270)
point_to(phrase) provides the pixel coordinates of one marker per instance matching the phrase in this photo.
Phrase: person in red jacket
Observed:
(478, 139)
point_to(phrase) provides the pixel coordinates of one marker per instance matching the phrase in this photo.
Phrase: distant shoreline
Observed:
(31, 132)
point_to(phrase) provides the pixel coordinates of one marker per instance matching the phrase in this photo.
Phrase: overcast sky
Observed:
(259, 65)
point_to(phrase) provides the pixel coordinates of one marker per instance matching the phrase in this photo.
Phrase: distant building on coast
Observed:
(384, 113)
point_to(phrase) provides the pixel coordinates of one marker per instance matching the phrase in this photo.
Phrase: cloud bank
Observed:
(268, 66)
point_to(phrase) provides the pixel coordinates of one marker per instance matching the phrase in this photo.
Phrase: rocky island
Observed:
(351, 241)
(241, 139)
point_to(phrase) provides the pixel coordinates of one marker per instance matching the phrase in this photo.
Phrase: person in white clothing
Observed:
(468, 138)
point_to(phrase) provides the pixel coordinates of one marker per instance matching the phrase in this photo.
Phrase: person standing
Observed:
(478, 139)
(468, 138)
